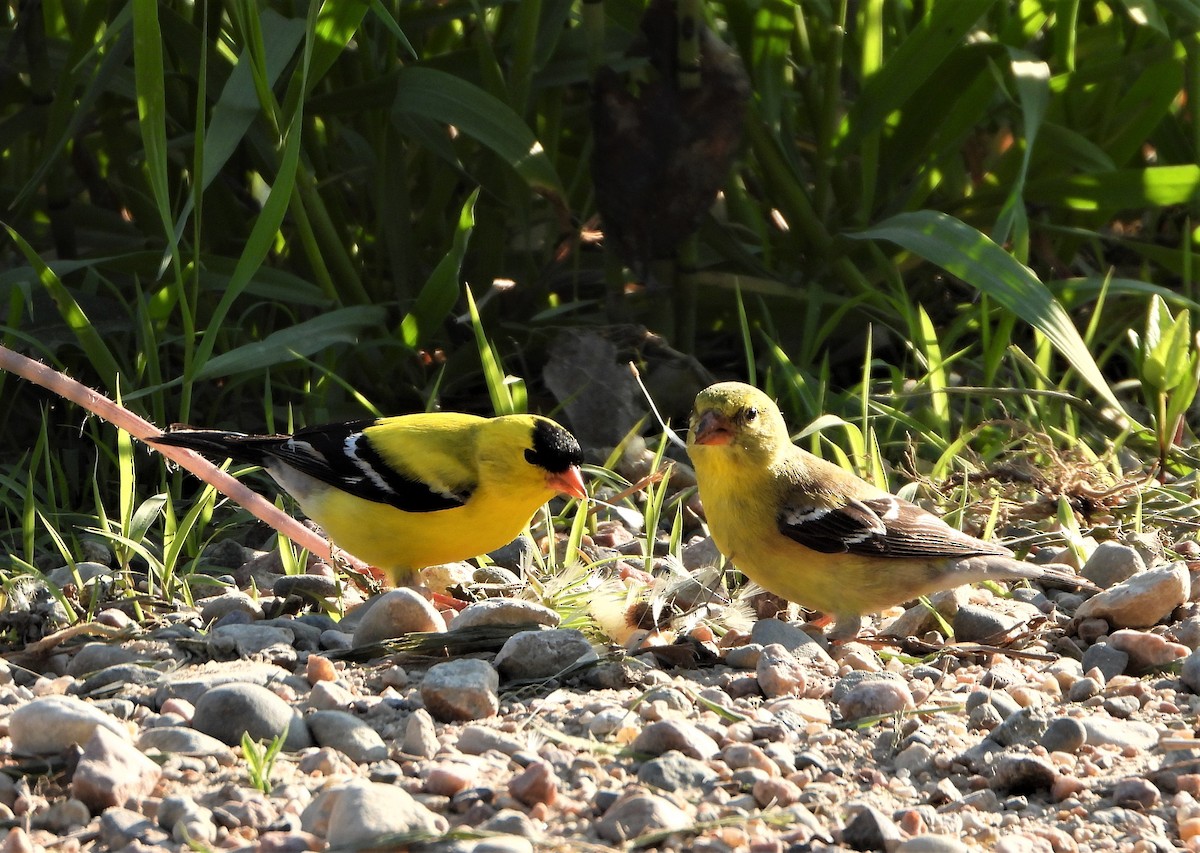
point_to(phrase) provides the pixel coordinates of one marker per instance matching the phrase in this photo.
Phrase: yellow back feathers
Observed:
(815, 534)
(416, 490)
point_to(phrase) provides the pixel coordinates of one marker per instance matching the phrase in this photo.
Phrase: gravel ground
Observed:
(1055, 722)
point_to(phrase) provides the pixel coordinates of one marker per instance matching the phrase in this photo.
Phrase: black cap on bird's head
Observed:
(556, 451)
(554, 448)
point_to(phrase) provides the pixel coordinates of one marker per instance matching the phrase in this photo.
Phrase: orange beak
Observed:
(569, 482)
(712, 429)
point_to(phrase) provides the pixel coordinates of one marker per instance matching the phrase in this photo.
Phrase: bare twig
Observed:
(122, 418)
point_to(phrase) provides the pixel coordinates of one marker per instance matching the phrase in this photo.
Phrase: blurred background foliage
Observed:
(249, 213)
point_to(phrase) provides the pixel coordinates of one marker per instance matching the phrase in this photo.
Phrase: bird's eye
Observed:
(751, 414)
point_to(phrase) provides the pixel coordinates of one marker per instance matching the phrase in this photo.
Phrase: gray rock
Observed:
(505, 611)
(465, 689)
(637, 813)
(1133, 734)
(1064, 734)
(1187, 632)
(1004, 704)
(917, 620)
(1084, 689)
(1111, 662)
(307, 636)
(542, 654)
(120, 828)
(359, 812)
(1190, 673)
(875, 698)
(1122, 707)
(497, 576)
(50, 724)
(231, 710)
(420, 735)
(310, 587)
(1136, 793)
(779, 672)
(870, 829)
(243, 641)
(915, 758)
(93, 657)
(974, 624)
(766, 632)
(228, 554)
(1112, 563)
(744, 657)
(186, 820)
(1149, 546)
(1024, 727)
(234, 601)
(191, 682)
(851, 680)
(113, 678)
(664, 735)
(184, 741)
(334, 640)
(701, 554)
(516, 555)
(511, 822)
(112, 772)
(329, 696)
(88, 572)
(476, 740)
(674, 771)
(1141, 600)
(348, 735)
(1023, 774)
(396, 613)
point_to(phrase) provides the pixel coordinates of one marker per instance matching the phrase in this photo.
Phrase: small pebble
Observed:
(397, 613)
(780, 673)
(464, 689)
(536, 784)
(684, 737)
(1136, 793)
(1141, 600)
(1064, 734)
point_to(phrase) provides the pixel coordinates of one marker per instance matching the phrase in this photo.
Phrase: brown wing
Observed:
(877, 527)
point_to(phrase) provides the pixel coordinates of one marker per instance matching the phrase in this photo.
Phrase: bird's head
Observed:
(547, 452)
(738, 416)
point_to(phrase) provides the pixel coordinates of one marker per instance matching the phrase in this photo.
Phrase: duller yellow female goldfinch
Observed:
(411, 491)
(817, 535)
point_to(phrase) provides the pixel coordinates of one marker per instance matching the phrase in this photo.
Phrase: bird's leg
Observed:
(845, 627)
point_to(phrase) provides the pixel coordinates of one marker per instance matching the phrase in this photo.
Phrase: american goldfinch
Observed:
(412, 491)
(815, 534)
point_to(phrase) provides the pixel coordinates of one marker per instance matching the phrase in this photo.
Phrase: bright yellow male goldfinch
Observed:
(411, 491)
(817, 535)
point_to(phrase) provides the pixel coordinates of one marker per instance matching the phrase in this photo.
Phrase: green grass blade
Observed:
(102, 360)
(915, 60)
(968, 254)
(451, 100)
(440, 292)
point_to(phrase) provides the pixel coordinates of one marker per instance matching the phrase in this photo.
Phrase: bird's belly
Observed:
(832, 583)
(401, 542)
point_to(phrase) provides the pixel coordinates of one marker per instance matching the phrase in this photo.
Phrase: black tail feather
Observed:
(219, 444)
